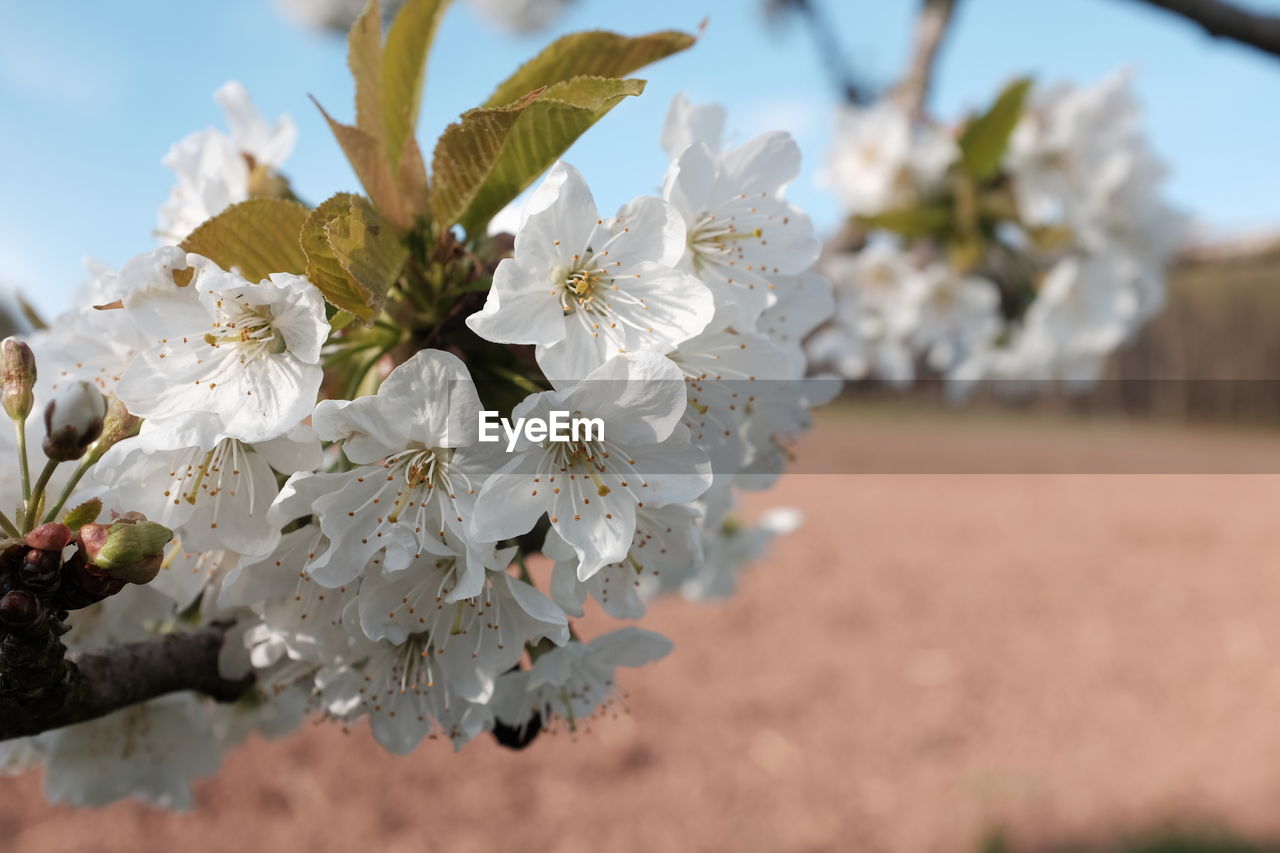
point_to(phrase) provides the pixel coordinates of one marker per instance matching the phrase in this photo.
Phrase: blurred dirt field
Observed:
(931, 659)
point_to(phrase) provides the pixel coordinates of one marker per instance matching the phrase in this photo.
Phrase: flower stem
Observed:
(524, 570)
(522, 382)
(20, 424)
(9, 527)
(37, 494)
(85, 464)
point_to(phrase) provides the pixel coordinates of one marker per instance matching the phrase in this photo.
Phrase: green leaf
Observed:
(595, 54)
(490, 155)
(466, 153)
(985, 139)
(396, 198)
(86, 513)
(353, 255)
(404, 71)
(928, 220)
(323, 267)
(255, 237)
(396, 184)
(364, 58)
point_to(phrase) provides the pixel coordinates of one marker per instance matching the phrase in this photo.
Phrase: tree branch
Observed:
(77, 687)
(1224, 20)
(931, 29)
(95, 683)
(833, 56)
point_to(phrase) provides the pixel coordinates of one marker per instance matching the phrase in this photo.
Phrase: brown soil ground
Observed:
(930, 659)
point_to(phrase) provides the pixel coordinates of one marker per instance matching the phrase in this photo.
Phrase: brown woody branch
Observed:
(931, 29)
(43, 687)
(1225, 20)
(830, 52)
(86, 685)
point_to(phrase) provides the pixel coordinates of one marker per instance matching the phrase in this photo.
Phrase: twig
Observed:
(1224, 20)
(87, 685)
(43, 687)
(931, 29)
(833, 56)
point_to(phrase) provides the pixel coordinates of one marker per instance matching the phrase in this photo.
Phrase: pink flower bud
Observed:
(129, 549)
(118, 425)
(49, 537)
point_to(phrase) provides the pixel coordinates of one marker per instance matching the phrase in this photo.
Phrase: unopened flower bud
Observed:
(83, 585)
(19, 371)
(118, 425)
(49, 537)
(20, 609)
(41, 571)
(127, 549)
(73, 421)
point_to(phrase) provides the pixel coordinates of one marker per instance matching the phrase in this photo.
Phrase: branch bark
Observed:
(931, 30)
(96, 683)
(1225, 20)
(824, 37)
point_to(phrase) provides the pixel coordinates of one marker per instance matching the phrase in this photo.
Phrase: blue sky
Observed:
(92, 94)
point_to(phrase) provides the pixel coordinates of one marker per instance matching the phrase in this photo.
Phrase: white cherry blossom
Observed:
(804, 302)
(216, 170)
(883, 159)
(729, 547)
(151, 751)
(213, 490)
(688, 123)
(667, 539)
(726, 374)
(959, 317)
(583, 289)
(417, 476)
(93, 345)
(247, 353)
(573, 682)
(878, 305)
(466, 643)
(591, 489)
(741, 233)
(391, 685)
(1081, 314)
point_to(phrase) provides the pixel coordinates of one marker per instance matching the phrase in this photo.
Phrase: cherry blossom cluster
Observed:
(1051, 262)
(378, 561)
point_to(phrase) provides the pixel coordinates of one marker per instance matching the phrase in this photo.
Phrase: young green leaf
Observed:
(404, 60)
(85, 513)
(323, 266)
(364, 58)
(255, 237)
(465, 155)
(596, 54)
(986, 138)
(396, 196)
(353, 255)
(490, 155)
